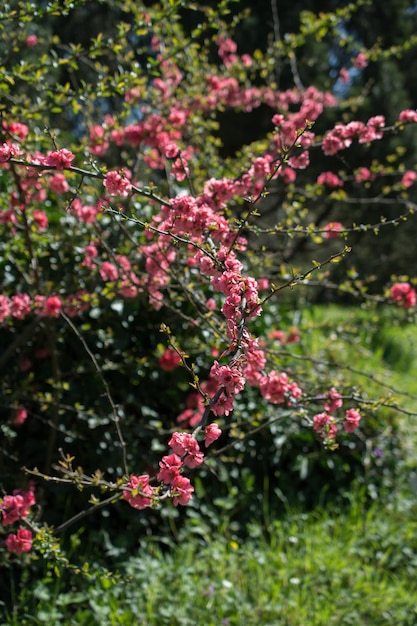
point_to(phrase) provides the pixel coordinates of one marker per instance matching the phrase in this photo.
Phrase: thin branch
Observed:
(116, 417)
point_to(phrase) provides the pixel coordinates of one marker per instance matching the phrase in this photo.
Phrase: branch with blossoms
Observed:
(92, 229)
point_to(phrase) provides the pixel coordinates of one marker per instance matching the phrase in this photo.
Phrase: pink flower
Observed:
(293, 336)
(229, 377)
(58, 183)
(330, 180)
(109, 271)
(364, 174)
(279, 335)
(223, 406)
(186, 446)
(20, 416)
(409, 178)
(31, 41)
(408, 115)
(212, 432)
(117, 184)
(139, 492)
(22, 542)
(171, 151)
(325, 425)
(8, 151)
(17, 506)
(5, 308)
(181, 490)
(352, 419)
(169, 361)
(274, 387)
(59, 158)
(41, 219)
(404, 294)
(169, 468)
(332, 230)
(344, 75)
(361, 61)
(334, 400)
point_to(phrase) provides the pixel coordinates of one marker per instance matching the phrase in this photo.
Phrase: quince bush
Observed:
(138, 262)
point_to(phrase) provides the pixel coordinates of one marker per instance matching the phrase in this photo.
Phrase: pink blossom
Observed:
(404, 294)
(293, 336)
(171, 151)
(212, 432)
(8, 151)
(139, 492)
(47, 307)
(352, 419)
(223, 406)
(279, 335)
(17, 506)
(5, 308)
(181, 490)
(20, 416)
(334, 401)
(169, 468)
(41, 219)
(186, 446)
(31, 41)
(12, 509)
(58, 183)
(332, 230)
(408, 115)
(22, 542)
(109, 271)
(364, 174)
(274, 387)
(117, 184)
(229, 377)
(361, 61)
(344, 75)
(409, 178)
(325, 425)
(85, 212)
(59, 158)
(330, 179)
(17, 129)
(169, 361)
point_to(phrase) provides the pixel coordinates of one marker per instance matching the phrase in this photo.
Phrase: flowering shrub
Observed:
(130, 274)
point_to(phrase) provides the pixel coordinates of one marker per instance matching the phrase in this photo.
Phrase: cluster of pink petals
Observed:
(277, 389)
(16, 507)
(352, 419)
(333, 230)
(169, 360)
(13, 509)
(21, 305)
(330, 180)
(185, 453)
(404, 295)
(19, 542)
(117, 184)
(139, 492)
(186, 446)
(325, 424)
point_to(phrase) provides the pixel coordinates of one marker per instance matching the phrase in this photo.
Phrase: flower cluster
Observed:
(404, 295)
(13, 509)
(326, 423)
(186, 453)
